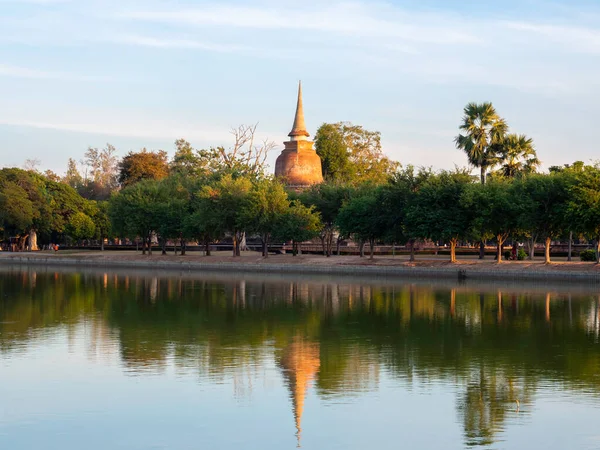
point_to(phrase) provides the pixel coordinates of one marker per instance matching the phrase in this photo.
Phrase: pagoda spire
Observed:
(299, 132)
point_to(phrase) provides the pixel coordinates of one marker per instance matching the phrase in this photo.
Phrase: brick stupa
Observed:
(299, 165)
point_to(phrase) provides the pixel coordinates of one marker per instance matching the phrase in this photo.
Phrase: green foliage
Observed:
(484, 131)
(521, 255)
(80, 226)
(16, 210)
(351, 154)
(588, 255)
(438, 210)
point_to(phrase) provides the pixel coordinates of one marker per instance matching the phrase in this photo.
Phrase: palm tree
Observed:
(484, 132)
(519, 156)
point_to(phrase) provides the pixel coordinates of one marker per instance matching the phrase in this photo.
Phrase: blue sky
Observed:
(79, 73)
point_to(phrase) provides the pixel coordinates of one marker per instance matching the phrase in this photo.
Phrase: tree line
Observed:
(207, 195)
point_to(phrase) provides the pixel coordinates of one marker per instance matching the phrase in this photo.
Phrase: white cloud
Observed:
(167, 43)
(355, 19)
(581, 39)
(25, 72)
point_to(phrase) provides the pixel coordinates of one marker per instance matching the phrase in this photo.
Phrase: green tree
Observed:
(261, 214)
(327, 200)
(228, 198)
(351, 154)
(439, 212)
(484, 131)
(584, 205)
(498, 211)
(143, 165)
(135, 211)
(16, 210)
(518, 156)
(546, 212)
(80, 226)
(299, 223)
(187, 162)
(362, 218)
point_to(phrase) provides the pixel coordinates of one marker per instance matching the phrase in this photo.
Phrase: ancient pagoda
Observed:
(299, 165)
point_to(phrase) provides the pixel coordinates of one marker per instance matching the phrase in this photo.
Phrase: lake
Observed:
(98, 359)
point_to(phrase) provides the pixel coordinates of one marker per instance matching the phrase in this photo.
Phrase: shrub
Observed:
(588, 255)
(521, 255)
(507, 255)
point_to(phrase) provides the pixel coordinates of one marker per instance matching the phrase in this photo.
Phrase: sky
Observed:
(133, 73)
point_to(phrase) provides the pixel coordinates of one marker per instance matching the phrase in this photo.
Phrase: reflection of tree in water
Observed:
(489, 397)
(341, 335)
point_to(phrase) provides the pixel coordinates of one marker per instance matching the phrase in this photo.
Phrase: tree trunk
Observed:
(101, 243)
(235, 244)
(32, 241)
(265, 246)
(482, 249)
(182, 243)
(242, 246)
(453, 250)
(547, 251)
(337, 245)
(294, 248)
(329, 243)
(482, 175)
(569, 255)
(143, 246)
(499, 249)
(322, 237)
(361, 248)
(598, 250)
(412, 250)
(531, 248)
(149, 245)
(163, 246)
(372, 245)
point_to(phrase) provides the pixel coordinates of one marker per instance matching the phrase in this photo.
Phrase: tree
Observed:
(228, 199)
(102, 221)
(135, 211)
(143, 165)
(518, 156)
(261, 214)
(327, 200)
(80, 227)
(299, 223)
(330, 146)
(16, 210)
(584, 205)
(352, 154)
(101, 173)
(362, 218)
(245, 158)
(172, 210)
(439, 212)
(546, 212)
(187, 162)
(72, 177)
(498, 211)
(395, 200)
(484, 131)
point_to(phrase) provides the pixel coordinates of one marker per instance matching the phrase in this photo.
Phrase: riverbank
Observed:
(427, 267)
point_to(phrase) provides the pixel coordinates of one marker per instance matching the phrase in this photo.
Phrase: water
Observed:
(142, 360)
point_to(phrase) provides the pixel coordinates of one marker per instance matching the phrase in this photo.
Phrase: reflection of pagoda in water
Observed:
(300, 363)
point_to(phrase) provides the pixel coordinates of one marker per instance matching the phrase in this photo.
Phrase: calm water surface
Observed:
(142, 360)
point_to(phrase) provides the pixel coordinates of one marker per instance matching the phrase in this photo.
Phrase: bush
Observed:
(507, 255)
(588, 255)
(521, 255)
